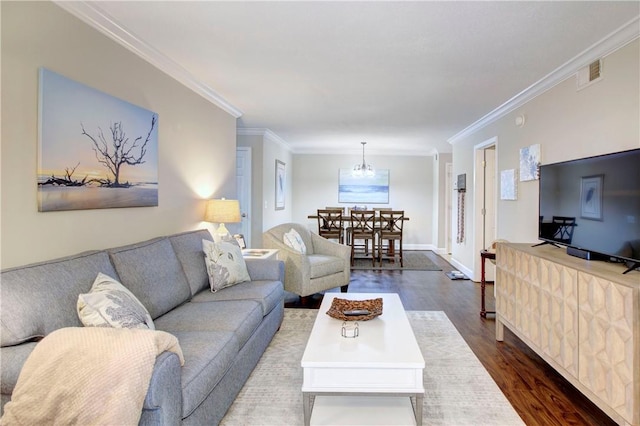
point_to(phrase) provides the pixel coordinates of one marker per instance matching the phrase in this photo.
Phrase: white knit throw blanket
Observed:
(87, 376)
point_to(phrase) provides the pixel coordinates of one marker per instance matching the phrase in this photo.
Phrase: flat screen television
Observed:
(592, 206)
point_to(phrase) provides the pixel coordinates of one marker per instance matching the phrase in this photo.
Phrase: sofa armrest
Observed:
(269, 270)
(163, 402)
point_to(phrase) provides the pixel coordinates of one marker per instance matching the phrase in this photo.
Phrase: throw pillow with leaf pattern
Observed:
(225, 264)
(110, 304)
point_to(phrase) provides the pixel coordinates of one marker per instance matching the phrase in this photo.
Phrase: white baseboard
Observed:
(419, 247)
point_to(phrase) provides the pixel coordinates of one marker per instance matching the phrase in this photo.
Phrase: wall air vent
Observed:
(590, 74)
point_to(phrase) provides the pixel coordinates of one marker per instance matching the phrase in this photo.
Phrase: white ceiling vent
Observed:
(590, 74)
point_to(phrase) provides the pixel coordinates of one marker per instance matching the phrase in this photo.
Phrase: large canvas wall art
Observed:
(530, 163)
(363, 189)
(95, 151)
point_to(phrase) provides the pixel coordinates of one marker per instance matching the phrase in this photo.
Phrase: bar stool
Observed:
(330, 224)
(362, 229)
(390, 230)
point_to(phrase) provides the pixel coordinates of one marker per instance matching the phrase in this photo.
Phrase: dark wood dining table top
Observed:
(347, 218)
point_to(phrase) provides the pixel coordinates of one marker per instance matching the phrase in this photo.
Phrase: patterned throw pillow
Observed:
(110, 304)
(294, 240)
(225, 264)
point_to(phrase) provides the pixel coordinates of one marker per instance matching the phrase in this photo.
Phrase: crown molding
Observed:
(392, 152)
(97, 18)
(265, 133)
(614, 41)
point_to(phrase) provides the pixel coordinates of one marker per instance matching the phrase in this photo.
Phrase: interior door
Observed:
(485, 203)
(490, 188)
(243, 186)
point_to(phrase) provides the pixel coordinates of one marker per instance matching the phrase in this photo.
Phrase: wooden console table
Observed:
(582, 317)
(484, 255)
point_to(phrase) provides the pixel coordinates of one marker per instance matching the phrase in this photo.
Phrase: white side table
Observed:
(260, 254)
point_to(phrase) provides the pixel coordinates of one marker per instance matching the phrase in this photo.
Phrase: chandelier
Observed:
(363, 169)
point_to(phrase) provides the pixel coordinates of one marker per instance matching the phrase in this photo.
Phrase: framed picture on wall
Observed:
(363, 189)
(95, 151)
(281, 180)
(508, 185)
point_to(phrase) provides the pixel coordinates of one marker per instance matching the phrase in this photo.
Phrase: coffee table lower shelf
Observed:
(365, 409)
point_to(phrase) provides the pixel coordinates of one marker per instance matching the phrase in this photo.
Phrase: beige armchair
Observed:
(325, 265)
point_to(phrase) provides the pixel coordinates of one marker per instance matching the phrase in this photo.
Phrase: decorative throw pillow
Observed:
(294, 240)
(110, 304)
(225, 264)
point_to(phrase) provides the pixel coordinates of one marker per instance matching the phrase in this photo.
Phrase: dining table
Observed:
(346, 218)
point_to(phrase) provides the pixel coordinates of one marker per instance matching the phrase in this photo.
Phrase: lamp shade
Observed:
(222, 211)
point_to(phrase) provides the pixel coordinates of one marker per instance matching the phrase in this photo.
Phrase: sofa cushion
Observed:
(13, 358)
(207, 357)
(323, 265)
(268, 293)
(152, 271)
(110, 304)
(40, 298)
(225, 264)
(188, 248)
(241, 317)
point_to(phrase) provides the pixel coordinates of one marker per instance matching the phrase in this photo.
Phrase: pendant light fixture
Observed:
(363, 169)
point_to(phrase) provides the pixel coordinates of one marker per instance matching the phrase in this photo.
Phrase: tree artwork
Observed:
(95, 151)
(120, 150)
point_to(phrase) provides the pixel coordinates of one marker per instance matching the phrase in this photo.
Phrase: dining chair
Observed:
(360, 232)
(330, 224)
(389, 230)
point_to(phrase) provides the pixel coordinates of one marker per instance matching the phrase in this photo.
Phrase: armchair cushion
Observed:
(323, 265)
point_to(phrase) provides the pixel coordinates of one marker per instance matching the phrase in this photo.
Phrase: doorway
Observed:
(485, 203)
(243, 188)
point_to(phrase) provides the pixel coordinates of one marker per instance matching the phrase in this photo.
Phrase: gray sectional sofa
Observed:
(222, 334)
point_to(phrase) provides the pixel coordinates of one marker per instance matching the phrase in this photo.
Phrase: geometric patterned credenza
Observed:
(582, 317)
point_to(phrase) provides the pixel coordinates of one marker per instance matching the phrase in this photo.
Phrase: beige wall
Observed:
(568, 124)
(193, 136)
(411, 188)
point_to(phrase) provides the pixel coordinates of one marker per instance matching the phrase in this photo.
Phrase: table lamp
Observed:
(222, 211)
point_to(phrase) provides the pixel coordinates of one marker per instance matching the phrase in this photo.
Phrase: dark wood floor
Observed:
(539, 394)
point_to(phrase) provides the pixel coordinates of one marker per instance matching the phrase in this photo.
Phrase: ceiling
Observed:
(403, 76)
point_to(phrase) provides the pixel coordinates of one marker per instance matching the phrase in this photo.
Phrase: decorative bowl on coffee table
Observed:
(340, 306)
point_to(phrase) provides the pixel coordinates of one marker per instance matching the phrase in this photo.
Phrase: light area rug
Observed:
(458, 390)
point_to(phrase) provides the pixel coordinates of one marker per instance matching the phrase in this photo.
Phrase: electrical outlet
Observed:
(266, 205)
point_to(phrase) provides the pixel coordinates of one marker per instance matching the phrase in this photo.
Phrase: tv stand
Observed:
(581, 317)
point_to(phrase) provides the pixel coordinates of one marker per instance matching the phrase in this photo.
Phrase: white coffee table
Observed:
(384, 360)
